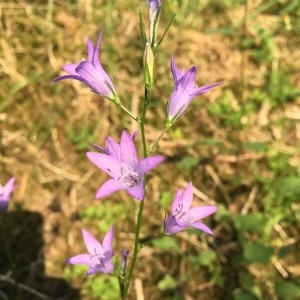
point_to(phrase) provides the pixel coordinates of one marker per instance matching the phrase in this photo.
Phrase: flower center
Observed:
(129, 178)
(179, 214)
(97, 260)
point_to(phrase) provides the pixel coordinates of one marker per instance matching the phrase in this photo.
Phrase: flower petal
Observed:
(176, 204)
(200, 212)
(150, 163)
(95, 59)
(76, 77)
(108, 267)
(92, 271)
(108, 239)
(171, 226)
(128, 151)
(90, 50)
(113, 148)
(138, 191)
(187, 197)
(9, 187)
(96, 79)
(109, 187)
(70, 68)
(204, 88)
(92, 245)
(80, 259)
(106, 163)
(202, 227)
(176, 72)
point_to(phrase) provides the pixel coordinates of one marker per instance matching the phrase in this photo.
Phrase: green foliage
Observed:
(165, 200)
(288, 290)
(74, 271)
(81, 137)
(166, 243)
(188, 163)
(251, 222)
(256, 252)
(205, 258)
(229, 112)
(104, 214)
(106, 286)
(167, 283)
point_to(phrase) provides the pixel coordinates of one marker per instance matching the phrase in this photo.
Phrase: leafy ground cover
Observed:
(242, 152)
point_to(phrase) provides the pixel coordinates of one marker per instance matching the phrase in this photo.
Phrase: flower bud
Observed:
(148, 65)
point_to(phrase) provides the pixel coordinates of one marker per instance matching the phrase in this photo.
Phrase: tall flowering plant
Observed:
(120, 161)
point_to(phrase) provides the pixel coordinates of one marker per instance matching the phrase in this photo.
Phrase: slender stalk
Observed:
(154, 145)
(129, 113)
(140, 213)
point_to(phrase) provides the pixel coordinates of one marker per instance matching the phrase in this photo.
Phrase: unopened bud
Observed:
(148, 65)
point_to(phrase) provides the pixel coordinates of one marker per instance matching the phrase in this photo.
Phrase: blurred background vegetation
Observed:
(239, 143)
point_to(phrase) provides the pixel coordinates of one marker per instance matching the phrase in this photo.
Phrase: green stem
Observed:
(153, 146)
(140, 213)
(128, 113)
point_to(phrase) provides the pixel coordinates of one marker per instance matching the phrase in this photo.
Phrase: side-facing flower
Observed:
(183, 216)
(91, 73)
(99, 257)
(120, 161)
(5, 192)
(184, 91)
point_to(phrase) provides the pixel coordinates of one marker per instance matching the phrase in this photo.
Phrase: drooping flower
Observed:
(5, 192)
(91, 73)
(99, 257)
(184, 91)
(120, 161)
(183, 216)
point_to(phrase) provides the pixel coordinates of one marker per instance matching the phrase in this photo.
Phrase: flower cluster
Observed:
(120, 160)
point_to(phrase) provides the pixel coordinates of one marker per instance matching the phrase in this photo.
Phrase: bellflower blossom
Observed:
(184, 91)
(183, 216)
(5, 192)
(99, 258)
(120, 161)
(91, 73)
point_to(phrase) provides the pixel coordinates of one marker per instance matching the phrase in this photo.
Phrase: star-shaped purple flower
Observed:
(91, 73)
(5, 192)
(183, 216)
(99, 258)
(184, 91)
(120, 161)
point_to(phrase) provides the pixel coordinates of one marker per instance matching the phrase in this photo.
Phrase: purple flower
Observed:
(124, 254)
(154, 9)
(100, 256)
(91, 73)
(5, 192)
(183, 216)
(154, 5)
(120, 161)
(184, 91)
